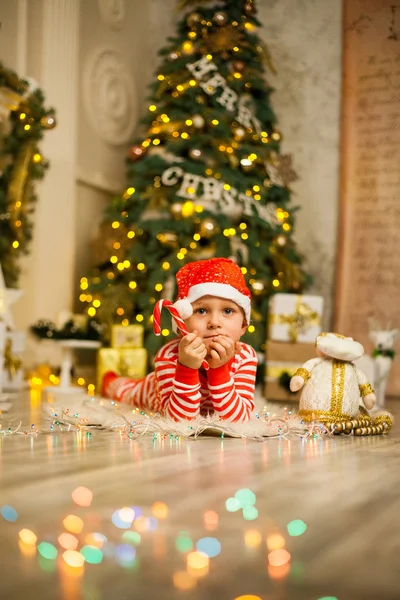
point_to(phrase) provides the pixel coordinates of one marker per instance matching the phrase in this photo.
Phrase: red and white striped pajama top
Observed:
(182, 393)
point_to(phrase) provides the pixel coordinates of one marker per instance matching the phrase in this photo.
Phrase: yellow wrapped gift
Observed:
(128, 362)
(127, 336)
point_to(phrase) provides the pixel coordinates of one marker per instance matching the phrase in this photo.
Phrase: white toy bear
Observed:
(334, 387)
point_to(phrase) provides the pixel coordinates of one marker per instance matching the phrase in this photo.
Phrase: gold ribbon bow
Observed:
(302, 319)
(12, 362)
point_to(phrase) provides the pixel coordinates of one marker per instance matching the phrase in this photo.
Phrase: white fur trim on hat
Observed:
(341, 348)
(184, 308)
(220, 290)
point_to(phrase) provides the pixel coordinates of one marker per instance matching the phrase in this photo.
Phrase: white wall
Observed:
(304, 37)
(133, 47)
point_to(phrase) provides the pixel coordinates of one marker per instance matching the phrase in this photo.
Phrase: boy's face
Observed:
(214, 316)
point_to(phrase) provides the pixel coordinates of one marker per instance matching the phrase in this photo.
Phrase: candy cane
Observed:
(180, 323)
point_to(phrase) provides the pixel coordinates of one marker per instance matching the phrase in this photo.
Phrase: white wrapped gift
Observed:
(295, 318)
(18, 341)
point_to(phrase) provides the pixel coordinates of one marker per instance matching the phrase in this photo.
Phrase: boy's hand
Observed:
(192, 351)
(221, 350)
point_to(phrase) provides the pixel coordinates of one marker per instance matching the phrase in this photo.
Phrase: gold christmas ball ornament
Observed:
(246, 165)
(258, 287)
(136, 152)
(233, 161)
(48, 122)
(195, 153)
(240, 132)
(168, 238)
(249, 8)
(220, 18)
(208, 228)
(239, 66)
(281, 240)
(198, 121)
(193, 19)
(176, 210)
(174, 55)
(276, 135)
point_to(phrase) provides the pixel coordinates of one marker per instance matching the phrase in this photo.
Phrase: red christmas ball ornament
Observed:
(136, 152)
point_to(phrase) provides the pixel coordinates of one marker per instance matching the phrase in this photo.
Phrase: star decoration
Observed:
(224, 39)
(7, 298)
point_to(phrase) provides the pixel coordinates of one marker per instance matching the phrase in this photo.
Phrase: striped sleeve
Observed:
(232, 386)
(178, 387)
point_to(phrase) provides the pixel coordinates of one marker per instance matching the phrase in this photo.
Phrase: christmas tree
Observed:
(205, 178)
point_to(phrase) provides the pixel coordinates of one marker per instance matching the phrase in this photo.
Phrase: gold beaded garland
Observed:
(364, 425)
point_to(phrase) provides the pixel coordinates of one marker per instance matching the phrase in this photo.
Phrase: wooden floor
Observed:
(345, 489)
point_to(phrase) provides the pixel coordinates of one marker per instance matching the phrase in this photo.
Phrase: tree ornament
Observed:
(281, 240)
(220, 18)
(174, 55)
(136, 152)
(208, 228)
(240, 132)
(176, 210)
(239, 66)
(246, 165)
(211, 162)
(267, 183)
(198, 121)
(193, 19)
(224, 39)
(258, 287)
(276, 136)
(205, 252)
(48, 122)
(195, 153)
(233, 160)
(249, 7)
(168, 238)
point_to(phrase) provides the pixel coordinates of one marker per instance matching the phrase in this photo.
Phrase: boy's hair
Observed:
(219, 277)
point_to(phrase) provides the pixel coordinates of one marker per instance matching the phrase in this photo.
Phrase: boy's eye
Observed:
(200, 311)
(229, 311)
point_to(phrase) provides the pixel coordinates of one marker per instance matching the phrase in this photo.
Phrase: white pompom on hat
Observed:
(338, 346)
(219, 277)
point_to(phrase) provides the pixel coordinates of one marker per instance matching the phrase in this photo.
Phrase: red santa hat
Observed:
(219, 277)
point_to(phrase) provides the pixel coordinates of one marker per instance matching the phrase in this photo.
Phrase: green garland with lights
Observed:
(205, 177)
(21, 164)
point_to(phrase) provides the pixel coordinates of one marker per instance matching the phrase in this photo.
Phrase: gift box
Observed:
(295, 318)
(128, 362)
(127, 336)
(133, 362)
(283, 358)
